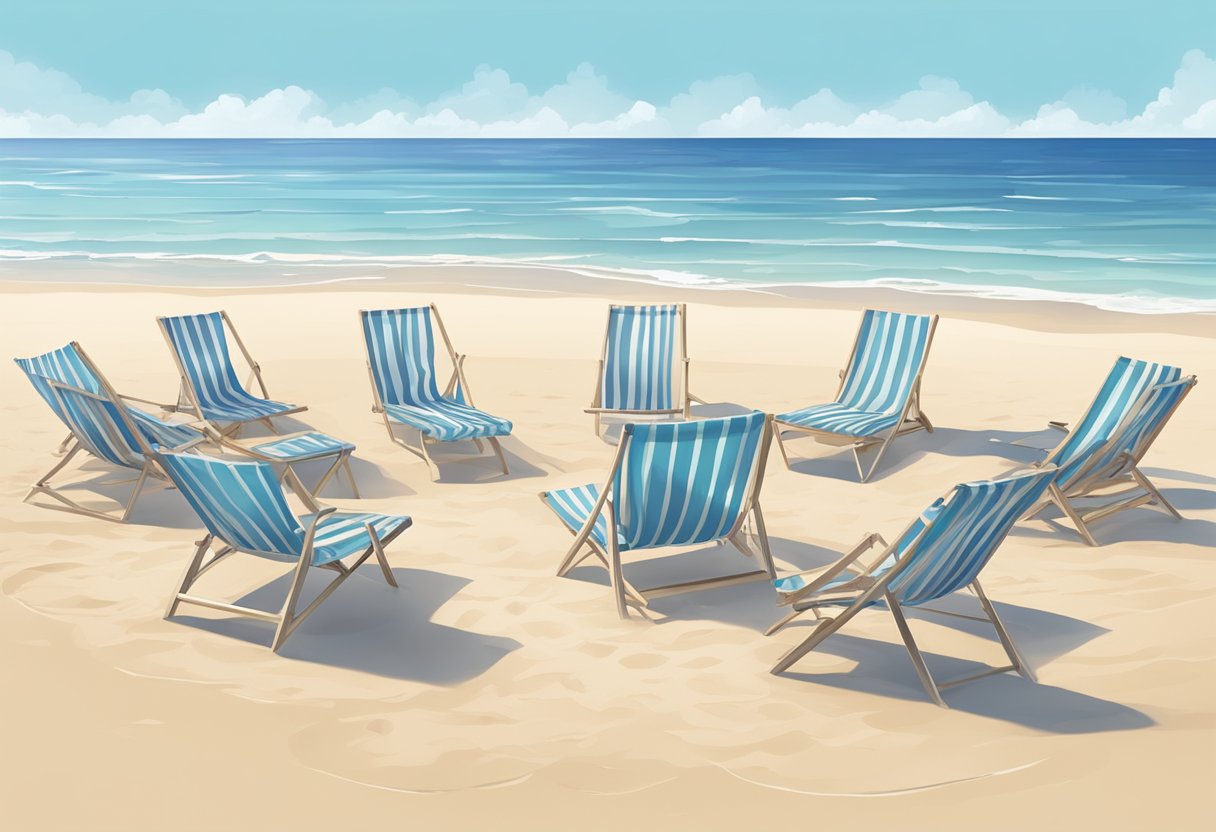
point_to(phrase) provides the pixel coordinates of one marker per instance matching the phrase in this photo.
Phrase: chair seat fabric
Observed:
(837, 418)
(573, 506)
(341, 534)
(303, 447)
(239, 406)
(160, 434)
(448, 420)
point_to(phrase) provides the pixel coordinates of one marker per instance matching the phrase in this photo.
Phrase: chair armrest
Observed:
(311, 533)
(845, 564)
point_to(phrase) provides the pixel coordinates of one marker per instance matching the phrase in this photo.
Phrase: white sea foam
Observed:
(938, 209)
(1129, 302)
(434, 211)
(625, 209)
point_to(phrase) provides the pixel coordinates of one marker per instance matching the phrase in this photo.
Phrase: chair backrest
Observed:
(639, 353)
(65, 365)
(1117, 398)
(887, 359)
(99, 425)
(201, 346)
(241, 503)
(964, 533)
(686, 483)
(1131, 439)
(401, 354)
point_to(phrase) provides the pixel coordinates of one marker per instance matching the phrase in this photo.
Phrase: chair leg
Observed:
(614, 566)
(289, 605)
(350, 475)
(1060, 500)
(781, 622)
(918, 661)
(426, 457)
(378, 548)
(135, 492)
(1011, 649)
(886, 443)
(502, 460)
(192, 571)
(63, 446)
(1156, 494)
(781, 446)
(762, 534)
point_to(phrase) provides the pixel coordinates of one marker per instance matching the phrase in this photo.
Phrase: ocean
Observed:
(1122, 224)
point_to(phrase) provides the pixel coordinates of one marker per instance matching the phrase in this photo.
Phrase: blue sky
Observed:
(333, 64)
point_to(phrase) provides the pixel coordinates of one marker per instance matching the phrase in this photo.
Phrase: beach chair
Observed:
(104, 428)
(244, 509)
(671, 484)
(645, 347)
(939, 553)
(209, 383)
(71, 366)
(879, 395)
(1099, 460)
(400, 346)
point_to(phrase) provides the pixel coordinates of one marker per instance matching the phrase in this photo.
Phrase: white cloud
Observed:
(37, 101)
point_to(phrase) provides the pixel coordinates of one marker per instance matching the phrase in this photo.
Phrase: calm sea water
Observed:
(1120, 223)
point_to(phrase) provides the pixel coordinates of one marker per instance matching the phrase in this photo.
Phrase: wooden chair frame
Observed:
(188, 398)
(150, 468)
(287, 619)
(684, 411)
(1120, 482)
(911, 418)
(457, 378)
(864, 588)
(624, 593)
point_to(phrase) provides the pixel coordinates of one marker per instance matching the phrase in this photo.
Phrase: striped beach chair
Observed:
(671, 484)
(210, 387)
(939, 553)
(879, 395)
(645, 349)
(103, 427)
(244, 509)
(71, 366)
(400, 346)
(1103, 451)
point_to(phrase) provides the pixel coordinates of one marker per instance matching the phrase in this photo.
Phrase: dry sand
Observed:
(487, 692)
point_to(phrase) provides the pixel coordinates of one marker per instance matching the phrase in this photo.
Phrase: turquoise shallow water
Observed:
(1128, 224)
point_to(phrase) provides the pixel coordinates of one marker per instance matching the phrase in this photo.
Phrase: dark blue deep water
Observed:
(1123, 223)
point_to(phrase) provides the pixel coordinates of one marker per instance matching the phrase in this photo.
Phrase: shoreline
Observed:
(524, 279)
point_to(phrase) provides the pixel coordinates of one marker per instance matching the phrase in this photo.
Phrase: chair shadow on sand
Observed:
(370, 627)
(882, 668)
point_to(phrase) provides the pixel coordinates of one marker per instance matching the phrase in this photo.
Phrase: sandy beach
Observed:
(487, 691)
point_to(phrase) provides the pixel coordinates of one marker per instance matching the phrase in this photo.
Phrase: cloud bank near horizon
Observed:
(45, 103)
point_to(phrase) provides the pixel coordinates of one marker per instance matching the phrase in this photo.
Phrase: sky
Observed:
(609, 68)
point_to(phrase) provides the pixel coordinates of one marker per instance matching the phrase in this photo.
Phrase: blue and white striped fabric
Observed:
(1120, 393)
(971, 524)
(638, 358)
(793, 583)
(679, 484)
(243, 504)
(401, 353)
(574, 505)
(890, 351)
(1148, 415)
(303, 447)
(201, 346)
(67, 366)
(98, 425)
